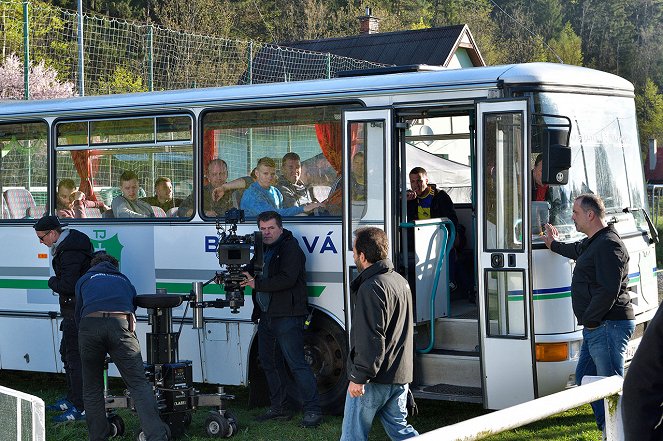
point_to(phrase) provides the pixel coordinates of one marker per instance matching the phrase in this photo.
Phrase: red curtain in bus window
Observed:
(330, 138)
(209, 148)
(87, 164)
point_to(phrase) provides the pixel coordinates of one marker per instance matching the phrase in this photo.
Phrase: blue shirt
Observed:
(256, 200)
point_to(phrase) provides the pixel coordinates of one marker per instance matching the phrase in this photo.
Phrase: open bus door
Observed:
(503, 254)
(366, 150)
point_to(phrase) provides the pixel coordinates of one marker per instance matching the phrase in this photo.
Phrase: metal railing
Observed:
(531, 411)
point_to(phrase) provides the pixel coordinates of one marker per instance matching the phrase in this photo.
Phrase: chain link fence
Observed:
(121, 56)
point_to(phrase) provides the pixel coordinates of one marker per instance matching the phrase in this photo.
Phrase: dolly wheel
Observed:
(116, 426)
(217, 426)
(232, 420)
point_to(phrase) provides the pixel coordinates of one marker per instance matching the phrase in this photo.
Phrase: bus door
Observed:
(367, 186)
(503, 254)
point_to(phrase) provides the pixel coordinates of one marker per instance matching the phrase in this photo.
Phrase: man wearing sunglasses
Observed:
(72, 252)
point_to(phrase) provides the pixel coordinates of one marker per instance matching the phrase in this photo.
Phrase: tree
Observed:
(568, 46)
(44, 83)
(649, 109)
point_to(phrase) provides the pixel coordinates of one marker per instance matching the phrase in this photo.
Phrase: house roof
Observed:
(433, 46)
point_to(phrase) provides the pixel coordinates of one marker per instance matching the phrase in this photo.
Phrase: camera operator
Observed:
(280, 308)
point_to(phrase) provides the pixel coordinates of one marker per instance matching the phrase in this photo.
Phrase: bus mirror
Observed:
(556, 157)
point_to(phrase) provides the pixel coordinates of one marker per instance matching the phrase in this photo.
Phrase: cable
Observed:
(528, 30)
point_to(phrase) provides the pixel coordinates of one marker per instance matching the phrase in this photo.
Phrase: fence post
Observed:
(150, 59)
(328, 65)
(250, 62)
(614, 426)
(81, 69)
(26, 51)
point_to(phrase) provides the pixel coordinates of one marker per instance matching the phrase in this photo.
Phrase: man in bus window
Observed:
(163, 195)
(598, 292)
(128, 204)
(217, 175)
(105, 318)
(280, 305)
(71, 203)
(295, 192)
(263, 196)
(380, 362)
(72, 252)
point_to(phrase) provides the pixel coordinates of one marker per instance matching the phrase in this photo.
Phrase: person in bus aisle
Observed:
(263, 196)
(128, 204)
(426, 202)
(72, 252)
(163, 195)
(72, 203)
(380, 362)
(295, 192)
(280, 306)
(642, 396)
(217, 175)
(598, 292)
(106, 322)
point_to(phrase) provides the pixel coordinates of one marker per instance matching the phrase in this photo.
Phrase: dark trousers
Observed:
(97, 337)
(71, 360)
(280, 341)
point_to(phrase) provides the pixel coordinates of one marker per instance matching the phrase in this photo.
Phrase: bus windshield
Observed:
(605, 154)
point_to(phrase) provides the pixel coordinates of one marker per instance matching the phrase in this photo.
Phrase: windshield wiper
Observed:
(653, 233)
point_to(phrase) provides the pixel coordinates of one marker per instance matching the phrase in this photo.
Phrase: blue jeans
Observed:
(385, 400)
(602, 354)
(280, 341)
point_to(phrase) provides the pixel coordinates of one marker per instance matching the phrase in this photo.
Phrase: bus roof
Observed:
(529, 74)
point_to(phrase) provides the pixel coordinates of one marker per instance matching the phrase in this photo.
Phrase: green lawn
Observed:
(577, 424)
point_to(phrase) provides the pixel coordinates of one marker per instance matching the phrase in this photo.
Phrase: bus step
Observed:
(449, 392)
(449, 367)
(450, 334)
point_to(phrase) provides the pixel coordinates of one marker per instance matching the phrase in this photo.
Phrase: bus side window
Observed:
(23, 172)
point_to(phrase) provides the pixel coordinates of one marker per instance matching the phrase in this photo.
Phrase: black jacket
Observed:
(285, 281)
(441, 206)
(642, 398)
(600, 277)
(71, 259)
(381, 336)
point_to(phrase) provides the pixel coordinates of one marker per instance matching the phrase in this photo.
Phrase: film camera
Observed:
(234, 253)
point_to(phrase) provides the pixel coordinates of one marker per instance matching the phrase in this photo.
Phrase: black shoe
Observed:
(276, 415)
(311, 419)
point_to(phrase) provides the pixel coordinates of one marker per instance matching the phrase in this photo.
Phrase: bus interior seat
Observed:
(108, 214)
(21, 204)
(172, 212)
(92, 212)
(5, 211)
(320, 192)
(106, 195)
(158, 211)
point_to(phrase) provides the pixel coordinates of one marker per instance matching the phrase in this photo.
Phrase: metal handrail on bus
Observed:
(448, 231)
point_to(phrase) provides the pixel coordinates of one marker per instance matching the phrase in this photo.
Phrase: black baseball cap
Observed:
(48, 223)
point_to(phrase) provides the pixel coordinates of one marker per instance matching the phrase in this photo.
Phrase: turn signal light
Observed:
(552, 351)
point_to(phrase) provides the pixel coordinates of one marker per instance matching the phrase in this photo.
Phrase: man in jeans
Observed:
(71, 252)
(381, 343)
(280, 306)
(598, 292)
(105, 317)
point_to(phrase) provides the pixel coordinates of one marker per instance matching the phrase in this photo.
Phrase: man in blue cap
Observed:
(72, 252)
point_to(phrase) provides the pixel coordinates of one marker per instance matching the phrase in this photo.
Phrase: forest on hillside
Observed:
(617, 36)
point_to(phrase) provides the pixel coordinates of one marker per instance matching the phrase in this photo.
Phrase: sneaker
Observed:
(311, 419)
(274, 414)
(72, 414)
(60, 405)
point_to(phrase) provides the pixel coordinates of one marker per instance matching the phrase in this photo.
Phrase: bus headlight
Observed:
(561, 351)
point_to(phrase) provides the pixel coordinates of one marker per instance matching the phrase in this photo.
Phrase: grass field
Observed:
(577, 424)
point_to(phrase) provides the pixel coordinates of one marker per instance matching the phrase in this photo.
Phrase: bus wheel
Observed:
(325, 349)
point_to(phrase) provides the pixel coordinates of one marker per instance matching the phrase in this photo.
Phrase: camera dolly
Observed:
(172, 379)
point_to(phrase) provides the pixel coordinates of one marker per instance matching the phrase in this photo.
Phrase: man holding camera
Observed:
(280, 307)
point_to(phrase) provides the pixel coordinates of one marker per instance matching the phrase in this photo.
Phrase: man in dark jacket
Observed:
(598, 292)
(105, 316)
(280, 308)
(642, 400)
(381, 343)
(71, 251)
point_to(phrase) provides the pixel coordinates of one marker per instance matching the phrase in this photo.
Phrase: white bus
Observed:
(477, 131)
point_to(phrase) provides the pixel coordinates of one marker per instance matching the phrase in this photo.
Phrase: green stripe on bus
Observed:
(559, 295)
(23, 284)
(185, 288)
